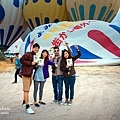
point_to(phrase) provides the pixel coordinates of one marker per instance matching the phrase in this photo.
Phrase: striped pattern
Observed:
(38, 12)
(13, 25)
(104, 10)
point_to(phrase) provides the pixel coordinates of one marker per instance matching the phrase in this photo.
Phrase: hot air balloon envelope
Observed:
(104, 10)
(98, 41)
(38, 12)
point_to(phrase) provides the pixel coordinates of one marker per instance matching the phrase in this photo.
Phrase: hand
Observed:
(66, 43)
(33, 62)
(76, 46)
(56, 65)
(67, 66)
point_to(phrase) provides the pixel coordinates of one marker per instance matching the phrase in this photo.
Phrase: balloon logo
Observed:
(38, 12)
(2, 13)
(104, 10)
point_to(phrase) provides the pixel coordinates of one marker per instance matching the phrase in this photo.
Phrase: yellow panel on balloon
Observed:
(38, 12)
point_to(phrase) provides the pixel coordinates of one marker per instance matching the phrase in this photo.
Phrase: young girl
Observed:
(69, 73)
(40, 76)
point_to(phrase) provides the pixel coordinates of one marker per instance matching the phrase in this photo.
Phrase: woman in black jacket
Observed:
(67, 66)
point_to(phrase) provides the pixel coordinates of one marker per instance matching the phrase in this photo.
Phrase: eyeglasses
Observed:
(56, 50)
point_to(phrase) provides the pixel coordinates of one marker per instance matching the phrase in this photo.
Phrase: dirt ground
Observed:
(97, 96)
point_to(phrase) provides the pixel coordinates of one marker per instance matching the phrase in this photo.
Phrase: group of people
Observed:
(61, 71)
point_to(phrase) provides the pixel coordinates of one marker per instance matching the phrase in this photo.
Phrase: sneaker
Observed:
(14, 82)
(66, 102)
(23, 104)
(70, 103)
(29, 111)
(36, 105)
(54, 101)
(60, 103)
(43, 103)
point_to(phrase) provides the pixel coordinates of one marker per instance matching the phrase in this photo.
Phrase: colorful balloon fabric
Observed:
(2, 13)
(13, 24)
(104, 10)
(25, 34)
(38, 12)
(116, 20)
(98, 41)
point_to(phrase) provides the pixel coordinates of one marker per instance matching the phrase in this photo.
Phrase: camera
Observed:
(53, 69)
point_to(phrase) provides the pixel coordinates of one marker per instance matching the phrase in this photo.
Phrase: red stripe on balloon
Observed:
(85, 61)
(104, 41)
(31, 45)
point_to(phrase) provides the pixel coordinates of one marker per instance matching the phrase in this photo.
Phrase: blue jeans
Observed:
(69, 84)
(57, 82)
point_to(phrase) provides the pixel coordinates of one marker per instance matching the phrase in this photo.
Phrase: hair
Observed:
(36, 45)
(47, 57)
(63, 51)
(56, 47)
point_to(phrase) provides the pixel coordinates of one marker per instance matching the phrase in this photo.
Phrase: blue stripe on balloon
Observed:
(102, 12)
(31, 23)
(92, 11)
(1, 36)
(37, 21)
(69, 16)
(27, 44)
(17, 33)
(47, 1)
(12, 41)
(59, 2)
(26, 2)
(85, 53)
(109, 15)
(11, 28)
(82, 12)
(46, 20)
(29, 26)
(74, 14)
(2, 13)
(16, 3)
(112, 18)
(35, 1)
(115, 28)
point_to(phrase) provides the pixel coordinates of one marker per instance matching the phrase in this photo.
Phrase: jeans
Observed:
(17, 73)
(41, 86)
(57, 82)
(69, 84)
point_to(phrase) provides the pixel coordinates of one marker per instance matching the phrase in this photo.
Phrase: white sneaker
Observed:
(69, 104)
(24, 105)
(60, 103)
(29, 111)
(65, 103)
(54, 101)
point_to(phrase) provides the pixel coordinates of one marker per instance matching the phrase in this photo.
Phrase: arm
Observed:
(51, 63)
(78, 55)
(69, 49)
(25, 60)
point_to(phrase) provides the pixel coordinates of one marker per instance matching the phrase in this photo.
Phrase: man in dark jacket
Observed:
(26, 71)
